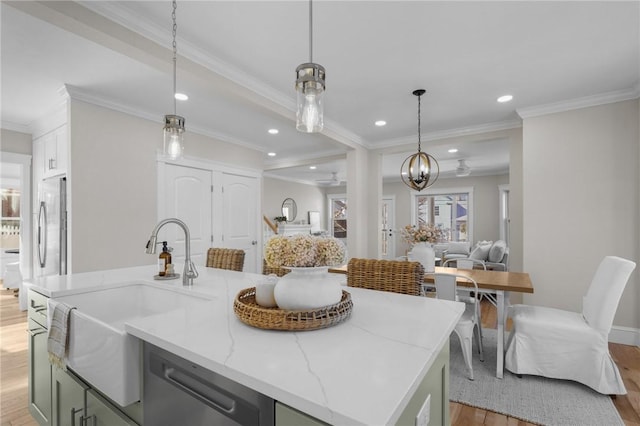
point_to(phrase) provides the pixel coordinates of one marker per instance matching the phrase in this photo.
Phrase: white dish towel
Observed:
(58, 338)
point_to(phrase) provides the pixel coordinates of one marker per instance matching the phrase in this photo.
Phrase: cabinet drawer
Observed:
(37, 308)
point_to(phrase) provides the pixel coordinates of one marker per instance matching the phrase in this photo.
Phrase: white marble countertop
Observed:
(362, 371)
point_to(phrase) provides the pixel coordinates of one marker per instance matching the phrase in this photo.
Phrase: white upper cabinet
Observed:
(50, 152)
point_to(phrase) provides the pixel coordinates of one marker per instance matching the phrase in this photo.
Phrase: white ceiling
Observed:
(238, 58)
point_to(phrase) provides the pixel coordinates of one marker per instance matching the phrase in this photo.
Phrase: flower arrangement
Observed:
(424, 233)
(280, 218)
(303, 251)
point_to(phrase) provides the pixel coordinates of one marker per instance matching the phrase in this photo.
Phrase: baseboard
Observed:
(625, 335)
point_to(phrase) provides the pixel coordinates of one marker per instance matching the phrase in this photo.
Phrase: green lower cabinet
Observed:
(76, 404)
(287, 416)
(39, 374)
(68, 399)
(101, 413)
(434, 385)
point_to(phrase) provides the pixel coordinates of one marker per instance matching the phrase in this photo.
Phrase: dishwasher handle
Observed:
(182, 381)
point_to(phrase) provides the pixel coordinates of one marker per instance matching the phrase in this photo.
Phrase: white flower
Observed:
(303, 251)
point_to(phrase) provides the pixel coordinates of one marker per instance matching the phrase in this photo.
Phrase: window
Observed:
(450, 210)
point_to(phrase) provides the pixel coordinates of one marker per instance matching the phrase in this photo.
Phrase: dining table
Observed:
(500, 283)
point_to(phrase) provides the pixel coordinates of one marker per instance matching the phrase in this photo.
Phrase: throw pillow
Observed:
(496, 253)
(458, 248)
(480, 252)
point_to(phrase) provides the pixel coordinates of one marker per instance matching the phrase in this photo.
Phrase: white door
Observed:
(388, 249)
(239, 217)
(188, 197)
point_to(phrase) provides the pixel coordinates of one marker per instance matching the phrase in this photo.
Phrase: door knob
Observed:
(254, 242)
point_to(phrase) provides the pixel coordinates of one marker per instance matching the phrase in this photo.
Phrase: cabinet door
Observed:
(68, 399)
(50, 153)
(39, 374)
(101, 413)
(61, 143)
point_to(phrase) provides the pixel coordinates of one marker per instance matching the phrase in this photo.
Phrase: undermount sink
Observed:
(100, 350)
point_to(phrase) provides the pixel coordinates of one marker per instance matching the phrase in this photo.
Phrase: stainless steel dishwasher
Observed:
(178, 392)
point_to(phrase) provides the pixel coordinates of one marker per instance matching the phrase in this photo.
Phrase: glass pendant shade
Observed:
(173, 136)
(310, 92)
(419, 171)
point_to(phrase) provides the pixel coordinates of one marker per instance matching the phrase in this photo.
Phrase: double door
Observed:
(220, 209)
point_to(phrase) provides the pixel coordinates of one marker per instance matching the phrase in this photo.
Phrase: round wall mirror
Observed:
(289, 209)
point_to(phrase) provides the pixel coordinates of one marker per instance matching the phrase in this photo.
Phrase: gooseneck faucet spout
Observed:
(190, 271)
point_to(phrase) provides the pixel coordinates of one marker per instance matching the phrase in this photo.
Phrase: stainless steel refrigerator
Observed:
(51, 228)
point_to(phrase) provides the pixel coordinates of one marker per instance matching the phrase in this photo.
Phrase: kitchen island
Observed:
(365, 370)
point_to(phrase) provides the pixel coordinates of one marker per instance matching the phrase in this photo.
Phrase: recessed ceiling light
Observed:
(505, 98)
(271, 154)
(273, 131)
(181, 96)
(380, 123)
(312, 167)
(453, 150)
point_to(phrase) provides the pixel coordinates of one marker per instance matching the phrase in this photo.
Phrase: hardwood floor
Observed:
(13, 374)
(13, 362)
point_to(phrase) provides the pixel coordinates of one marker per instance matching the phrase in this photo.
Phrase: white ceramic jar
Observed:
(306, 289)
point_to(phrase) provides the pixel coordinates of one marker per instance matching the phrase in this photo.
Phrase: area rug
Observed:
(530, 398)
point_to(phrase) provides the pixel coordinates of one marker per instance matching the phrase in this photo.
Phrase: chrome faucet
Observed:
(190, 271)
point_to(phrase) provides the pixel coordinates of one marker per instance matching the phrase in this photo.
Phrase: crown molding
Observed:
(451, 133)
(288, 179)
(578, 103)
(91, 98)
(15, 127)
(305, 160)
(122, 15)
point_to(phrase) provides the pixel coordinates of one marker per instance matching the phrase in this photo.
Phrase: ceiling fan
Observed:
(333, 181)
(463, 169)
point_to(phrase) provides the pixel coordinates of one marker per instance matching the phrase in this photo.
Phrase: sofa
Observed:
(494, 255)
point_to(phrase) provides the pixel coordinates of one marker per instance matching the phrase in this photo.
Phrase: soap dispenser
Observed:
(164, 259)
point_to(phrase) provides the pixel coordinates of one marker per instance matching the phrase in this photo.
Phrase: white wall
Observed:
(113, 178)
(16, 142)
(581, 202)
(485, 204)
(307, 198)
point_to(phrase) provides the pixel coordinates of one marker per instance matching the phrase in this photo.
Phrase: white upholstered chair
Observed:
(446, 288)
(569, 345)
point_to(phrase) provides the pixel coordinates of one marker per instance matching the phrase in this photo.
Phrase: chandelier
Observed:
(419, 170)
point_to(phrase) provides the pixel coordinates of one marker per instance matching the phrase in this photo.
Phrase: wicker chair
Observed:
(386, 275)
(278, 271)
(223, 258)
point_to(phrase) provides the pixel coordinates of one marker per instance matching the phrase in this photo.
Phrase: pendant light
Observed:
(310, 89)
(174, 124)
(419, 170)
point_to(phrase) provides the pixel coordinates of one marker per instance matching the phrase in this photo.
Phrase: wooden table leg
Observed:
(500, 336)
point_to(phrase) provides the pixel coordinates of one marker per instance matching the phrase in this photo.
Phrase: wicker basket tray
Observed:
(249, 312)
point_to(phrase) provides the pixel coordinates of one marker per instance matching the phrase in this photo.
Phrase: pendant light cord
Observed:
(310, 31)
(175, 54)
(419, 126)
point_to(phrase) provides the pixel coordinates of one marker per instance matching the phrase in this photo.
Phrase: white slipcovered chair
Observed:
(446, 288)
(568, 345)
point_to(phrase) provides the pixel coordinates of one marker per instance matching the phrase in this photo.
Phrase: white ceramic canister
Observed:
(307, 288)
